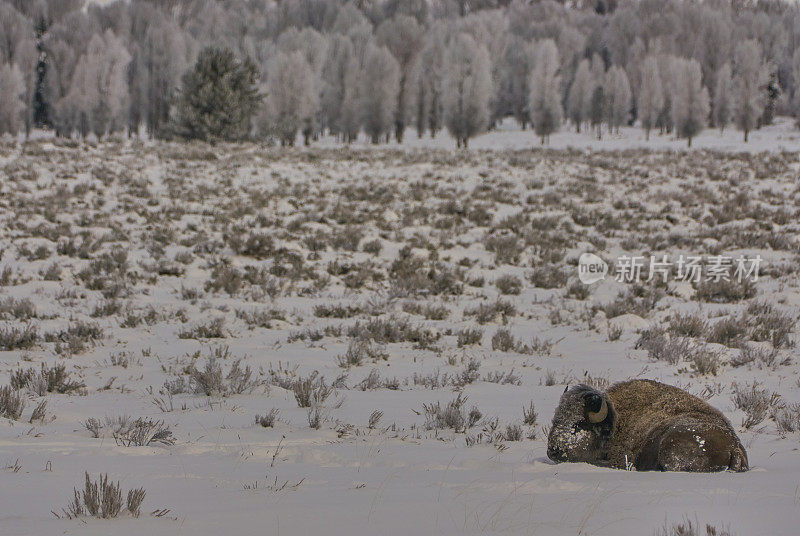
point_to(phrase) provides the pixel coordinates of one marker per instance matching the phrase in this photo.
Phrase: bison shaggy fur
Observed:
(645, 425)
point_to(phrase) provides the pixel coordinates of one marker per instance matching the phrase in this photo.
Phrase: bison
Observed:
(645, 425)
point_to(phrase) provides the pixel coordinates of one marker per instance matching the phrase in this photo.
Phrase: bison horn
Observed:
(599, 415)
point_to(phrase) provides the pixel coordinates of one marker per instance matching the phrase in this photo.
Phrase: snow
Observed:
(398, 477)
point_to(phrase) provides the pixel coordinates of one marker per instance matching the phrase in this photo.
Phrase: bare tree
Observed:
(403, 36)
(651, 96)
(618, 97)
(545, 96)
(350, 116)
(750, 77)
(380, 85)
(580, 95)
(467, 88)
(515, 86)
(291, 99)
(156, 75)
(12, 89)
(98, 96)
(429, 72)
(334, 80)
(18, 46)
(690, 100)
(723, 95)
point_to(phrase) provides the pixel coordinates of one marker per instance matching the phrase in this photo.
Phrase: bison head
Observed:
(581, 427)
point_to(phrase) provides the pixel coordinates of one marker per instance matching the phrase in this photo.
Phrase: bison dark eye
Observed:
(593, 402)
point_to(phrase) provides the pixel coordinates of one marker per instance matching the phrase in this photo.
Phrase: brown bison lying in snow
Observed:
(645, 425)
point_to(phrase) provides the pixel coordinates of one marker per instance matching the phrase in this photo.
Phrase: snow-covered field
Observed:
(445, 274)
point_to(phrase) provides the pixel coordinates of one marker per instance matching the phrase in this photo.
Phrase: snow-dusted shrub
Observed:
(662, 347)
(468, 337)
(548, 276)
(453, 415)
(268, 419)
(144, 432)
(755, 402)
(11, 403)
(429, 311)
(311, 391)
(723, 291)
(704, 360)
(687, 325)
(508, 284)
(20, 309)
(49, 379)
(688, 528)
(102, 499)
(360, 350)
(212, 381)
(730, 331)
(18, 338)
(485, 313)
(529, 415)
(213, 329)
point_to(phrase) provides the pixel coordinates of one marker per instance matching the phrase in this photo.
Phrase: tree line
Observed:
(245, 69)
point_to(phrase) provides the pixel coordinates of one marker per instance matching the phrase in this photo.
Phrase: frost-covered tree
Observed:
(723, 95)
(218, 97)
(314, 47)
(651, 97)
(690, 100)
(794, 104)
(26, 59)
(380, 85)
(291, 99)
(403, 36)
(157, 75)
(514, 85)
(334, 79)
(597, 109)
(350, 115)
(18, 47)
(63, 44)
(618, 97)
(580, 94)
(598, 69)
(667, 69)
(429, 72)
(749, 80)
(12, 89)
(97, 100)
(15, 29)
(466, 88)
(545, 96)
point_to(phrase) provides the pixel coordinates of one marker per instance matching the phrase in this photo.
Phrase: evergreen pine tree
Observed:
(218, 97)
